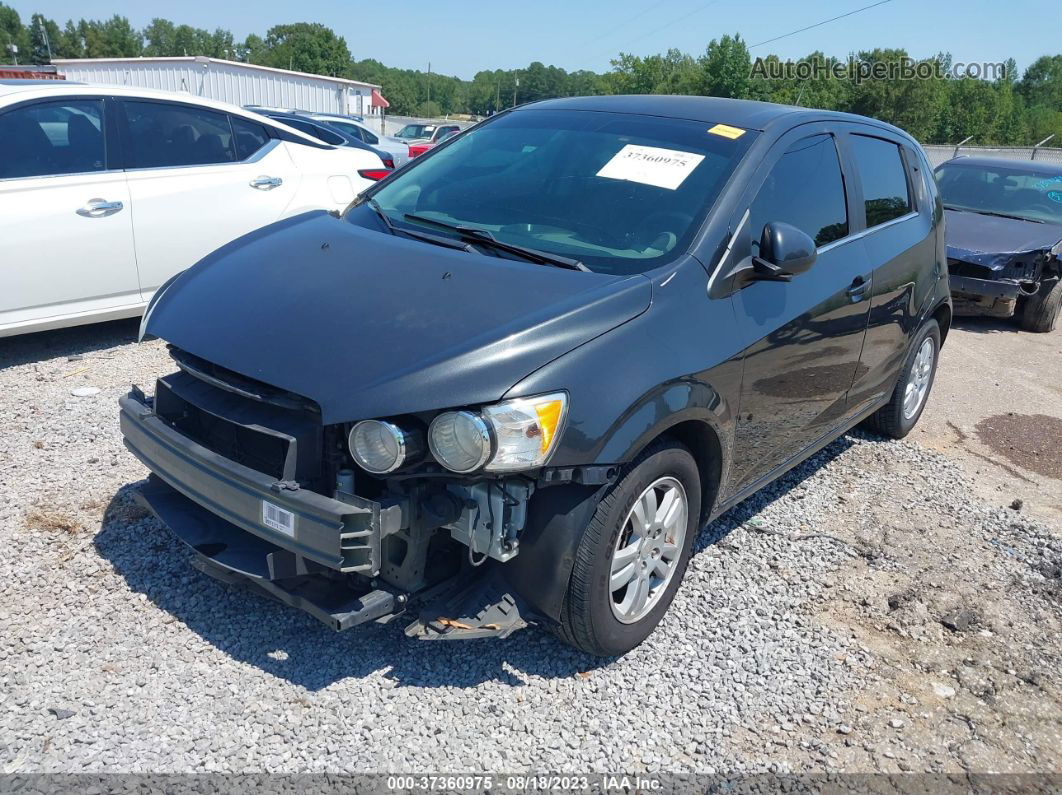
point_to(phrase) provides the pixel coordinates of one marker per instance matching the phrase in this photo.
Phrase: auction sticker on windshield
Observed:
(651, 165)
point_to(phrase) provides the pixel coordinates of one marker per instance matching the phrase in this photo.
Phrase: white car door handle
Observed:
(266, 183)
(100, 208)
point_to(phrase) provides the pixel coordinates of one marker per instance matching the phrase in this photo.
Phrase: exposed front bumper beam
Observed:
(984, 296)
(341, 535)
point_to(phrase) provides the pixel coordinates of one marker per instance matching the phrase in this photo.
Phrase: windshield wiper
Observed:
(991, 212)
(427, 238)
(484, 236)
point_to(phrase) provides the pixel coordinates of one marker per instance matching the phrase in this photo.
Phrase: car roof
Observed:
(745, 113)
(45, 89)
(1038, 167)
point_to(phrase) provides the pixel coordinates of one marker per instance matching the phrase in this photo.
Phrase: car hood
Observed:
(368, 324)
(994, 242)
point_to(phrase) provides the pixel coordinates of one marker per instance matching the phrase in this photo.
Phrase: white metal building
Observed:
(230, 81)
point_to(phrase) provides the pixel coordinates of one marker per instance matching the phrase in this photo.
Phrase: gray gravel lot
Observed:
(810, 633)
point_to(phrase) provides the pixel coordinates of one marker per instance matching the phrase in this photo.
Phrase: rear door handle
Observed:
(99, 208)
(266, 183)
(859, 288)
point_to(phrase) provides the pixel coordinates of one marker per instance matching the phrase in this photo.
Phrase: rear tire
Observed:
(1040, 313)
(600, 617)
(898, 417)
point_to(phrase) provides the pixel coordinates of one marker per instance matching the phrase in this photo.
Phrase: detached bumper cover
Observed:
(229, 554)
(344, 536)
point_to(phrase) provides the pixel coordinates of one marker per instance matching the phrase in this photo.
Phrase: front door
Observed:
(803, 337)
(199, 178)
(67, 247)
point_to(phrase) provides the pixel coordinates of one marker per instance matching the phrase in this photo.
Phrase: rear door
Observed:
(895, 219)
(803, 337)
(68, 238)
(198, 178)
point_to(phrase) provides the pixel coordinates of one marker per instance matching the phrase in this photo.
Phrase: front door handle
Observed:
(859, 288)
(99, 208)
(266, 183)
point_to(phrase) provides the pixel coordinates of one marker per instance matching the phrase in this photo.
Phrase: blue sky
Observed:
(463, 36)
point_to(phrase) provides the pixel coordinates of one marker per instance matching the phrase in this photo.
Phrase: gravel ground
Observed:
(868, 612)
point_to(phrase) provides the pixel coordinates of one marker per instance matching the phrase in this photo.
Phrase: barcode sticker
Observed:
(651, 165)
(277, 518)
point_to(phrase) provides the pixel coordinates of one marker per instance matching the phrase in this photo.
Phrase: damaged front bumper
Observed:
(325, 560)
(984, 296)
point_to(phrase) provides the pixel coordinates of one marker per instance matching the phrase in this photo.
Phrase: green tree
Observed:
(13, 34)
(725, 68)
(306, 47)
(1041, 85)
(44, 35)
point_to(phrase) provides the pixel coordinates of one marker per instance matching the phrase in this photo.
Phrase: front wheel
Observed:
(1041, 310)
(897, 417)
(633, 553)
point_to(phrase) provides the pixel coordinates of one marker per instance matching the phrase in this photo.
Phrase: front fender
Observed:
(673, 369)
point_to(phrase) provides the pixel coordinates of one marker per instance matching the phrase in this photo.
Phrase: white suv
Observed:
(105, 193)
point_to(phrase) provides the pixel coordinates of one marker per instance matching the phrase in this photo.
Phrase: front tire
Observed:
(899, 416)
(633, 554)
(1041, 310)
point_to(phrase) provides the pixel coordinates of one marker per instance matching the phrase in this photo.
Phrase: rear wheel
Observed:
(633, 553)
(1041, 310)
(897, 417)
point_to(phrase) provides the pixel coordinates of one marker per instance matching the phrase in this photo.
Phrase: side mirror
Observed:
(785, 251)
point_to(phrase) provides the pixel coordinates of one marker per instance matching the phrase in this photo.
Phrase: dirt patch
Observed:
(1032, 441)
(54, 521)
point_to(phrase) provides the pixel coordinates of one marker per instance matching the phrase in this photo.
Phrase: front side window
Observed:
(52, 138)
(804, 189)
(162, 134)
(885, 192)
(621, 193)
(1009, 191)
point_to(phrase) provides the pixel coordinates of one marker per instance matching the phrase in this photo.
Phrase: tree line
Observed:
(1008, 109)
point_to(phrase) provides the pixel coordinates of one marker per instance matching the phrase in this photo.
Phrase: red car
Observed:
(419, 149)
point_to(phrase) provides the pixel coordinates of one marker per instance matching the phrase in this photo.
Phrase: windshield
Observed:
(416, 131)
(1000, 190)
(618, 192)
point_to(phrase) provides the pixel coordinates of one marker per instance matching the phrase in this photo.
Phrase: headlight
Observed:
(459, 440)
(380, 447)
(525, 430)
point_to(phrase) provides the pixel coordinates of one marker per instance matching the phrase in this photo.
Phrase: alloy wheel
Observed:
(918, 379)
(648, 549)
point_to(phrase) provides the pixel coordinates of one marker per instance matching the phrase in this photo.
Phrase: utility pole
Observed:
(516, 85)
(44, 34)
(429, 81)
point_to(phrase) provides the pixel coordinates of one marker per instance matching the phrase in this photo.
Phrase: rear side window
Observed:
(162, 134)
(885, 192)
(249, 137)
(52, 138)
(353, 130)
(804, 189)
(320, 133)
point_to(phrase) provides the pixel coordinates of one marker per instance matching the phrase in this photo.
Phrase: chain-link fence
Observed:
(938, 154)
